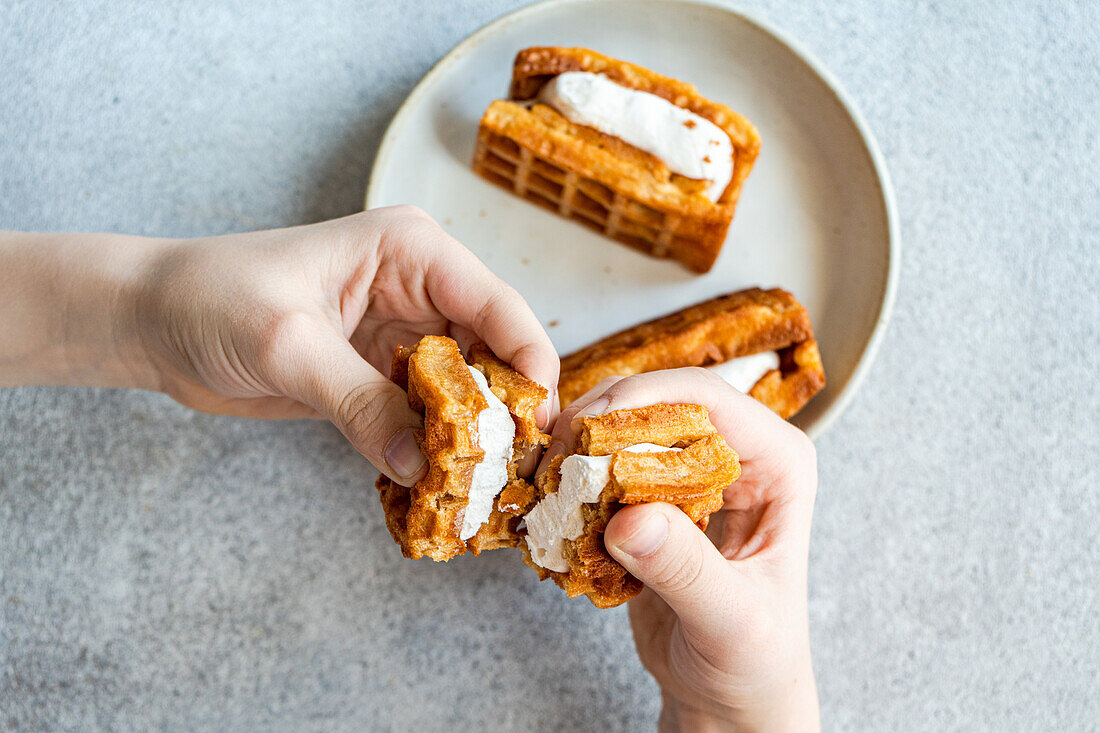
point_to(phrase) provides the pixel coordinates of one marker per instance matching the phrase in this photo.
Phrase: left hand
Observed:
(303, 322)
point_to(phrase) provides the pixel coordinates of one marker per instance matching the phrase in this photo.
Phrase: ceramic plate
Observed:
(816, 215)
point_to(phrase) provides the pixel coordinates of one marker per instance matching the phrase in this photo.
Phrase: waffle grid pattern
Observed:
(516, 168)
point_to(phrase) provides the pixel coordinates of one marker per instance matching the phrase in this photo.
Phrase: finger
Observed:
(565, 427)
(563, 438)
(765, 509)
(467, 338)
(467, 293)
(463, 336)
(528, 461)
(661, 547)
(761, 438)
(320, 368)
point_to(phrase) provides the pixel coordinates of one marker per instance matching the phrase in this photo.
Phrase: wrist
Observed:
(127, 274)
(679, 717)
(72, 302)
(792, 707)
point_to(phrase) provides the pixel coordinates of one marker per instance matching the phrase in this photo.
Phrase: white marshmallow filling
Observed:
(558, 518)
(745, 371)
(687, 143)
(495, 433)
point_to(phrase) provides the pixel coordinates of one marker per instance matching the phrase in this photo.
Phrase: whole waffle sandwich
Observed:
(760, 341)
(641, 157)
(669, 453)
(479, 421)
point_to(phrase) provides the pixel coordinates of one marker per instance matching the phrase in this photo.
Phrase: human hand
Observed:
(723, 629)
(303, 322)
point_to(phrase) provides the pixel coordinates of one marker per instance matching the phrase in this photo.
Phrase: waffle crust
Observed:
(717, 330)
(600, 181)
(425, 519)
(692, 479)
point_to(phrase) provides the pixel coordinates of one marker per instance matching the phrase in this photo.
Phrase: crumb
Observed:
(706, 158)
(714, 142)
(447, 222)
(607, 269)
(689, 124)
(525, 261)
(481, 213)
(554, 323)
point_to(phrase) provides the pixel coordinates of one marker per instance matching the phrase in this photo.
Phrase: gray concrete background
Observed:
(163, 569)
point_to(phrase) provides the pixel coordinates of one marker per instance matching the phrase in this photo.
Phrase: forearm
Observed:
(67, 309)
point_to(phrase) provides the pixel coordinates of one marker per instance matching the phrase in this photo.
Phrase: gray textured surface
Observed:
(164, 569)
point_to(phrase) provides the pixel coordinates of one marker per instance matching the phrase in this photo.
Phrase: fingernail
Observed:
(403, 455)
(542, 415)
(648, 538)
(597, 407)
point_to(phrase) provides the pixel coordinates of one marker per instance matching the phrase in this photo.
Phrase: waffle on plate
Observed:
(567, 150)
(760, 340)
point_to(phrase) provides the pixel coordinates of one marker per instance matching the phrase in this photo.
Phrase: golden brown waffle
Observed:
(425, 519)
(692, 479)
(597, 179)
(717, 330)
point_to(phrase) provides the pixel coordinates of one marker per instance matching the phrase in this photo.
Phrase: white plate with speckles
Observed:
(816, 215)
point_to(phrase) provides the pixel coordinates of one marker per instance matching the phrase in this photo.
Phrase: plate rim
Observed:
(870, 143)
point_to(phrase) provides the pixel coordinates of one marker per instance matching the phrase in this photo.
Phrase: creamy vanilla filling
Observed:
(745, 371)
(558, 517)
(687, 143)
(495, 432)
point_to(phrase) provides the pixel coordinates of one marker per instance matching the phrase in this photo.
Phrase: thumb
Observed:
(330, 376)
(659, 545)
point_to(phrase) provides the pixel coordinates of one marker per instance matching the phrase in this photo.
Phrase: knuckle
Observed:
(807, 448)
(802, 449)
(609, 387)
(605, 384)
(698, 372)
(712, 380)
(495, 302)
(280, 338)
(410, 229)
(361, 414)
(680, 570)
(410, 211)
(616, 388)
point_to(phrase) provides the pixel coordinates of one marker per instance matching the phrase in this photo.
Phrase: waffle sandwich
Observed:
(669, 453)
(760, 341)
(638, 156)
(479, 420)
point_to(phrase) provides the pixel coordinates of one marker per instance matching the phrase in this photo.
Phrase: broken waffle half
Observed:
(628, 193)
(760, 338)
(464, 405)
(668, 453)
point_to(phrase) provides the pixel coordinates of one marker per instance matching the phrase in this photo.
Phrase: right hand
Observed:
(724, 629)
